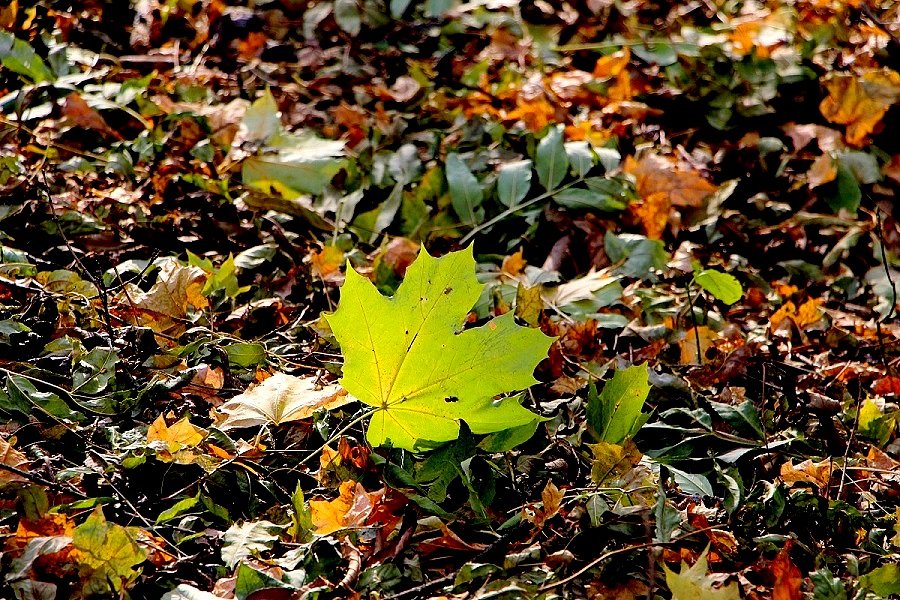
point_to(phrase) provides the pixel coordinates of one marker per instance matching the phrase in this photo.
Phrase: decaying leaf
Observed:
(108, 552)
(860, 101)
(279, 399)
(663, 184)
(403, 355)
(11, 457)
(819, 474)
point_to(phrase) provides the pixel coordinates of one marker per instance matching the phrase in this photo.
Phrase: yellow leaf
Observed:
(326, 263)
(818, 474)
(173, 439)
(107, 553)
(692, 583)
(860, 101)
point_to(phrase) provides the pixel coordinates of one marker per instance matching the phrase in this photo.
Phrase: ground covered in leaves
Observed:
(694, 200)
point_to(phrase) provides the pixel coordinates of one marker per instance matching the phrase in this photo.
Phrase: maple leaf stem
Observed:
(514, 209)
(337, 436)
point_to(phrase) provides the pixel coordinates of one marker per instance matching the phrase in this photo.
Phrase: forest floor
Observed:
(696, 201)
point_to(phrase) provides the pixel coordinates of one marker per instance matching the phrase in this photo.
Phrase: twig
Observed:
(607, 555)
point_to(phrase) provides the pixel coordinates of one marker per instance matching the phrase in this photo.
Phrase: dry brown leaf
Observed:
(163, 308)
(279, 399)
(663, 184)
(685, 187)
(819, 474)
(81, 114)
(11, 457)
(860, 101)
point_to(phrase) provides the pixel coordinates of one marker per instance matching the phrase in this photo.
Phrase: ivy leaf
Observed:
(615, 414)
(405, 355)
(723, 286)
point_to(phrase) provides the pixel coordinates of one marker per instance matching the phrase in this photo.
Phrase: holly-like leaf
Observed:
(692, 583)
(405, 355)
(723, 286)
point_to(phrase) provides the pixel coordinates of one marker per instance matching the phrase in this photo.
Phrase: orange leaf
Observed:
(350, 509)
(653, 213)
(536, 114)
(860, 101)
(787, 576)
(612, 65)
(81, 114)
(655, 174)
(326, 263)
(514, 264)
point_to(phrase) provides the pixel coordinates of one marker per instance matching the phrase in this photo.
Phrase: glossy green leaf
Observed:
(465, 191)
(513, 182)
(615, 414)
(551, 159)
(723, 286)
(405, 355)
(19, 57)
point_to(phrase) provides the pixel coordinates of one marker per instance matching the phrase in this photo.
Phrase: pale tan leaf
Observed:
(280, 399)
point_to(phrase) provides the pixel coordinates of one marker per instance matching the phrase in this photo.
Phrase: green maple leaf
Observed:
(407, 356)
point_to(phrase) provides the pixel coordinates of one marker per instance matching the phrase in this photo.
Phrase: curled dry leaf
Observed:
(11, 457)
(280, 399)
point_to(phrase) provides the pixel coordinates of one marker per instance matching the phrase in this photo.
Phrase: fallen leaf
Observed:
(81, 114)
(279, 399)
(788, 578)
(326, 264)
(243, 540)
(350, 509)
(404, 355)
(860, 101)
(693, 583)
(108, 552)
(11, 457)
(818, 474)
(662, 184)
